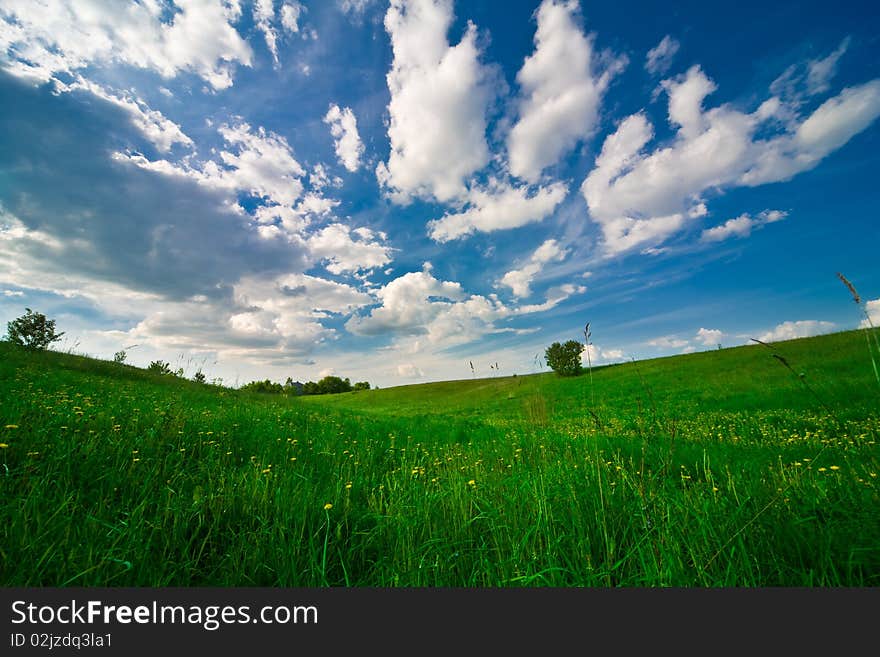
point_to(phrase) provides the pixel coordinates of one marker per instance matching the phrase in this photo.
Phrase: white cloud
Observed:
(640, 199)
(801, 329)
(290, 14)
(554, 296)
(159, 130)
(439, 97)
(344, 250)
(354, 7)
(408, 304)
(561, 84)
(263, 164)
(258, 162)
(820, 72)
(520, 280)
(496, 207)
(709, 337)
(872, 308)
(264, 16)
(593, 355)
(409, 371)
(425, 312)
(40, 39)
(668, 342)
(343, 127)
(741, 226)
(659, 58)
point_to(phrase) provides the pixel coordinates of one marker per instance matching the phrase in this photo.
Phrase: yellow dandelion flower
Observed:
(135, 460)
(472, 483)
(3, 445)
(267, 470)
(293, 458)
(328, 506)
(822, 469)
(11, 426)
(834, 467)
(348, 486)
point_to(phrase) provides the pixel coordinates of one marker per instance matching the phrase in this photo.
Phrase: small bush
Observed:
(159, 367)
(32, 331)
(119, 357)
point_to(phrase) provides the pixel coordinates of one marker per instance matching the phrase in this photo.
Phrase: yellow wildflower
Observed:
(328, 506)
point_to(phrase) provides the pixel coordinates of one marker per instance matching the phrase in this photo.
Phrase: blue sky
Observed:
(391, 191)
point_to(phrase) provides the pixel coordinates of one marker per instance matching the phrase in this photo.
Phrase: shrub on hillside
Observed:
(159, 367)
(263, 386)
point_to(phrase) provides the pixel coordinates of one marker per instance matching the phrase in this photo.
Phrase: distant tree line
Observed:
(329, 385)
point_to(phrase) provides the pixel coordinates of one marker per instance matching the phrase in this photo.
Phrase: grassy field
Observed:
(749, 466)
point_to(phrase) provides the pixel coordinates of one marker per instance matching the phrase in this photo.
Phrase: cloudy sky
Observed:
(393, 191)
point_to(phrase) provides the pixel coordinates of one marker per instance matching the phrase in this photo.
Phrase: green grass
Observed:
(722, 468)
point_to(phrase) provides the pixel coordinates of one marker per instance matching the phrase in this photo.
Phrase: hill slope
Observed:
(716, 469)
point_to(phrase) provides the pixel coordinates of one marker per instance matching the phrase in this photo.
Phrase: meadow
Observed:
(747, 466)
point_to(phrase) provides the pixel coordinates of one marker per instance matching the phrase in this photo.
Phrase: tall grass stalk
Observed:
(869, 328)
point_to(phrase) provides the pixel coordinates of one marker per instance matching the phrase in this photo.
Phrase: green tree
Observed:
(565, 359)
(361, 385)
(32, 330)
(331, 385)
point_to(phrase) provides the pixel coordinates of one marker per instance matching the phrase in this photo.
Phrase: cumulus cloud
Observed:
(709, 337)
(742, 226)
(409, 304)
(439, 314)
(498, 206)
(520, 280)
(344, 250)
(561, 86)
(594, 354)
(640, 199)
(347, 141)
(437, 112)
(40, 39)
(872, 310)
(659, 58)
(257, 161)
(801, 329)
